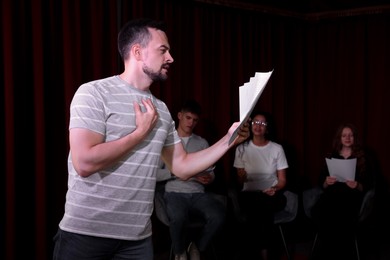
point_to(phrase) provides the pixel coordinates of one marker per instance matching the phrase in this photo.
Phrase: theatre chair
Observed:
(288, 214)
(311, 196)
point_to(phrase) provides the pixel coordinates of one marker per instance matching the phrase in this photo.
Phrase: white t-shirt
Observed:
(261, 164)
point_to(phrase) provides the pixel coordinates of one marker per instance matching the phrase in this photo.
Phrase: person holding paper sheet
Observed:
(261, 170)
(337, 209)
(118, 132)
(186, 198)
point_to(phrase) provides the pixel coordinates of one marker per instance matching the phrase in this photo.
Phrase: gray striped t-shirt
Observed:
(116, 202)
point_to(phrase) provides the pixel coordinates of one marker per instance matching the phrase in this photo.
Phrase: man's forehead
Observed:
(190, 114)
(159, 37)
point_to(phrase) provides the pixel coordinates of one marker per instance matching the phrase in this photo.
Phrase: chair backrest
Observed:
(367, 206)
(232, 194)
(310, 198)
(290, 211)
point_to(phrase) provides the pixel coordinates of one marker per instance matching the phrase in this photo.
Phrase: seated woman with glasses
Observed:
(261, 172)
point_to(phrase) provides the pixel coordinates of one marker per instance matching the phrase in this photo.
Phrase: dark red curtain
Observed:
(328, 68)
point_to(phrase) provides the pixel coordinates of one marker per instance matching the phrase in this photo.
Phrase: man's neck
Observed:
(141, 82)
(182, 133)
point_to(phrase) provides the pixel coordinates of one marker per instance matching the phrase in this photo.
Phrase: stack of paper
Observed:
(342, 169)
(249, 94)
(259, 182)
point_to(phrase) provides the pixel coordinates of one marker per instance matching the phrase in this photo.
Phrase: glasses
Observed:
(260, 123)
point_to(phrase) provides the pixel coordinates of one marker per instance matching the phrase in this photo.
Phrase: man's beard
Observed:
(154, 76)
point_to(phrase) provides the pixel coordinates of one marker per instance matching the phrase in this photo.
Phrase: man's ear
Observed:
(179, 115)
(136, 51)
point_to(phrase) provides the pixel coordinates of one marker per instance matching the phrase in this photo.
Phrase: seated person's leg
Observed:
(213, 211)
(177, 211)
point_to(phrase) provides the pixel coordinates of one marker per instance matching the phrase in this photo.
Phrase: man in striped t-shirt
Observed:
(117, 132)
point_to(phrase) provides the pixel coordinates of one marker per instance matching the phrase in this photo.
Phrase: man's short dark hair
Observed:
(136, 31)
(191, 106)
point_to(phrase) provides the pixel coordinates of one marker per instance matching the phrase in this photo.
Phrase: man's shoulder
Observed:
(103, 81)
(103, 84)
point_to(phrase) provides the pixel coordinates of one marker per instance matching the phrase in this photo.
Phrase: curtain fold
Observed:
(8, 161)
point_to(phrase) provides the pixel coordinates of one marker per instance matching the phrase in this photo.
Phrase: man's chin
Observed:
(161, 77)
(164, 76)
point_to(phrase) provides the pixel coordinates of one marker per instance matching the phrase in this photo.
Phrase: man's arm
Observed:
(163, 173)
(90, 153)
(184, 165)
(282, 180)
